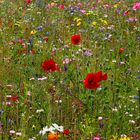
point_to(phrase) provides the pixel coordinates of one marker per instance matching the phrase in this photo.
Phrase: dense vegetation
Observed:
(69, 70)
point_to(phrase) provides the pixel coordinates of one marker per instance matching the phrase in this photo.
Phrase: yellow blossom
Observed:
(38, 13)
(105, 22)
(18, 23)
(115, 6)
(79, 19)
(89, 13)
(33, 32)
(79, 23)
(94, 23)
(75, 18)
(125, 138)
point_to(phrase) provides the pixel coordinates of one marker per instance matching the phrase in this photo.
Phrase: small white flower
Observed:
(123, 136)
(126, 113)
(12, 131)
(46, 129)
(8, 96)
(18, 133)
(51, 129)
(58, 101)
(99, 89)
(114, 61)
(122, 63)
(39, 110)
(33, 138)
(131, 115)
(59, 128)
(132, 121)
(42, 78)
(100, 118)
(114, 109)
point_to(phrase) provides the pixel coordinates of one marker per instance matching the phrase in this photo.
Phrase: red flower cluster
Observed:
(50, 66)
(92, 80)
(66, 132)
(75, 39)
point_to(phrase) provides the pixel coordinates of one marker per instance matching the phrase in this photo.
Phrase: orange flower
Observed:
(53, 136)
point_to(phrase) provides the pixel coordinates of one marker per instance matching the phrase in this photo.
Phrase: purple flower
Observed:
(65, 68)
(135, 97)
(40, 28)
(87, 52)
(1, 125)
(138, 77)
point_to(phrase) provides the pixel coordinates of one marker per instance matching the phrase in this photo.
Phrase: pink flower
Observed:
(80, 4)
(96, 138)
(132, 19)
(29, 93)
(62, 6)
(126, 12)
(83, 11)
(136, 6)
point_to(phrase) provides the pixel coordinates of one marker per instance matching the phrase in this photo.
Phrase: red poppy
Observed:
(27, 1)
(50, 66)
(66, 131)
(92, 80)
(14, 98)
(121, 50)
(75, 39)
(32, 51)
(101, 76)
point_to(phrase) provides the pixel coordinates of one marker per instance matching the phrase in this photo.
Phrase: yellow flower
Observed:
(75, 19)
(79, 23)
(105, 22)
(52, 3)
(94, 23)
(38, 13)
(79, 19)
(95, 14)
(89, 13)
(33, 32)
(125, 138)
(18, 23)
(115, 6)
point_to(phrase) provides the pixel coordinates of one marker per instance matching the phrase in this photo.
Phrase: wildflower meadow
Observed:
(69, 70)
